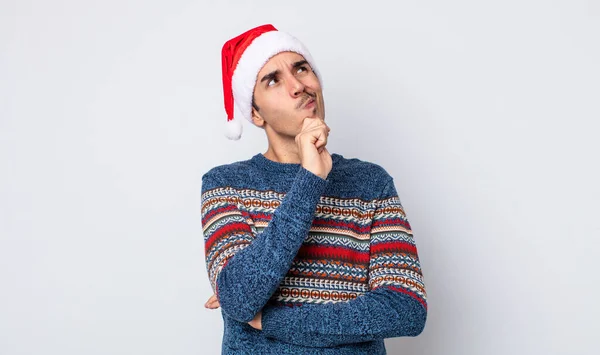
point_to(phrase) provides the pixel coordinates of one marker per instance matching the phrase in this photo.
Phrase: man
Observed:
(307, 252)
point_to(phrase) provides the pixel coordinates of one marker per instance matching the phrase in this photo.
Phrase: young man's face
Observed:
(286, 92)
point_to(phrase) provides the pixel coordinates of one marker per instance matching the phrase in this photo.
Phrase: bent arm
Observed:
(396, 304)
(378, 314)
(245, 270)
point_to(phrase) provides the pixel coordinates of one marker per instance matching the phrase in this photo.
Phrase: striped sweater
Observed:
(331, 263)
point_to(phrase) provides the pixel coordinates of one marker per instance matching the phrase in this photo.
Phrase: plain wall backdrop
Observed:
(485, 113)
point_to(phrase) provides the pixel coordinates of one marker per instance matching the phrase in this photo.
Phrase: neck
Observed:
(283, 152)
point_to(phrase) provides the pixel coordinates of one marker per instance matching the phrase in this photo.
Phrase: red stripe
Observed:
(216, 211)
(391, 222)
(226, 230)
(335, 252)
(395, 246)
(262, 216)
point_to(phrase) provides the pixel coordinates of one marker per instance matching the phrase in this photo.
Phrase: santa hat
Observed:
(243, 57)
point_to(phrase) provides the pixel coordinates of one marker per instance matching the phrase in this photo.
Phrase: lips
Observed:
(309, 103)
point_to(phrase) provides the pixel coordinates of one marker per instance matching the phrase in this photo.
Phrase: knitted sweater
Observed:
(331, 263)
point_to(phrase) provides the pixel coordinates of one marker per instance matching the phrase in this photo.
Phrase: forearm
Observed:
(251, 276)
(378, 314)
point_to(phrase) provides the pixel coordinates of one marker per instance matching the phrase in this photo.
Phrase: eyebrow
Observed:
(299, 63)
(274, 73)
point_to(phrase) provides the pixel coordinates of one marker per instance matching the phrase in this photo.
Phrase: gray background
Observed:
(485, 113)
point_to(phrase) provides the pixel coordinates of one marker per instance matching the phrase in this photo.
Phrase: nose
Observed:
(296, 86)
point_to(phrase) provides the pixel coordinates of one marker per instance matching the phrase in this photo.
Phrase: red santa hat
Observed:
(243, 57)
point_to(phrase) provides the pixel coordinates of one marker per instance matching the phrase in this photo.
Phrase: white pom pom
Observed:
(234, 129)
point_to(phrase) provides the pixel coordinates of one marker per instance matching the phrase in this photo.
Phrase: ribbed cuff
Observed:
(272, 323)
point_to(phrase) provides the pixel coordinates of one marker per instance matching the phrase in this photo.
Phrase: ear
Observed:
(257, 118)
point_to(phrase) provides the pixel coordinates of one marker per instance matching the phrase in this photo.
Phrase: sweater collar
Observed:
(264, 163)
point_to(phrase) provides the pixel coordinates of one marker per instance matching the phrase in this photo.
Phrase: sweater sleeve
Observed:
(394, 306)
(245, 269)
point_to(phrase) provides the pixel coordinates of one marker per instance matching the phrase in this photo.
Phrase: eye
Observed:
(302, 68)
(274, 80)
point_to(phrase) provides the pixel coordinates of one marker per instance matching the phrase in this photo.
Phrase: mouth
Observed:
(310, 103)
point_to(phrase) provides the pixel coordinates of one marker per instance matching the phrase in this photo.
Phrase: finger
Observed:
(321, 140)
(211, 301)
(214, 301)
(213, 305)
(321, 128)
(310, 122)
